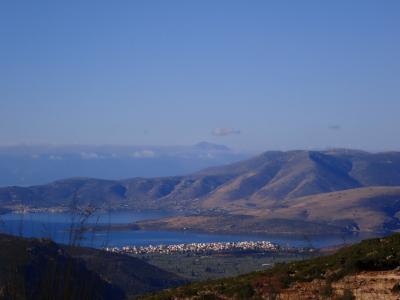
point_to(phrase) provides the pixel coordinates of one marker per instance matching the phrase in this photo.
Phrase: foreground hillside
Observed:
(41, 269)
(127, 273)
(368, 270)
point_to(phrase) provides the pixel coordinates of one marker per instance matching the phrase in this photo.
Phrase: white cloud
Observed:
(55, 157)
(144, 154)
(90, 155)
(207, 156)
(219, 131)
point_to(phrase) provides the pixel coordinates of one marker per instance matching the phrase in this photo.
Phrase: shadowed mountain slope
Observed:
(41, 269)
(127, 273)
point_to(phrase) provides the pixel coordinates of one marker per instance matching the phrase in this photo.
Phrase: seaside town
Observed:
(197, 248)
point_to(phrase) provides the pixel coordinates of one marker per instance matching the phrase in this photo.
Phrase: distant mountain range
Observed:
(26, 165)
(348, 189)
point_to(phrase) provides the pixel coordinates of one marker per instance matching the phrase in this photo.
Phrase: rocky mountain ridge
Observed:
(293, 185)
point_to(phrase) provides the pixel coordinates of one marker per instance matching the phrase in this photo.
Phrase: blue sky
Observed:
(259, 74)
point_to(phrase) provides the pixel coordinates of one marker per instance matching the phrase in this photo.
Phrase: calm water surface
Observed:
(56, 226)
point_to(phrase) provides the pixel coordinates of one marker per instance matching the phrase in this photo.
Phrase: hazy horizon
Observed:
(249, 151)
